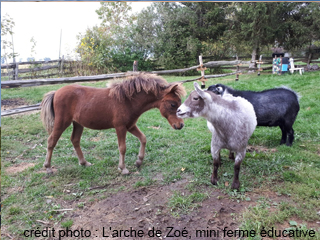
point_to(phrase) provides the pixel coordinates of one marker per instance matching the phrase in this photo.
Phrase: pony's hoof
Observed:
(138, 163)
(49, 171)
(123, 171)
(86, 164)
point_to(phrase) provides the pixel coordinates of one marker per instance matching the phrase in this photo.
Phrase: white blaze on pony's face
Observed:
(194, 104)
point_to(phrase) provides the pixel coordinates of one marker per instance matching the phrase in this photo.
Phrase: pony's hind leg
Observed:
(75, 139)
(121, 133)
(52, 142)
(143, 141)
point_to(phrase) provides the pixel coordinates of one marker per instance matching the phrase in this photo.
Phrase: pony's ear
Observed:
(205, 96)
(177, 88)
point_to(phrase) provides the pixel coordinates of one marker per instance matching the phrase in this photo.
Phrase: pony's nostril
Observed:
(178, 110)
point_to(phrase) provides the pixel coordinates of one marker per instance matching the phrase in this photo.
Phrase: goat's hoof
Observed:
(138, 163)
(235, 185)
(214, 181)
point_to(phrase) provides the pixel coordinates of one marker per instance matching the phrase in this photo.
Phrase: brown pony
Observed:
(117, 107)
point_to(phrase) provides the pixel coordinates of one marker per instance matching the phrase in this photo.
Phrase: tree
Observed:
(280, 24)
(301, 25)
(163, 29)
(109, 47)
(255, 24)
(7, 25)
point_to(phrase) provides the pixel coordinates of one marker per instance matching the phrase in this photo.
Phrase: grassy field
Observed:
(290, 174)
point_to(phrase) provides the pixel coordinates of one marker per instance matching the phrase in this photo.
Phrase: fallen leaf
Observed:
(226, 184)
(293, 223)
(182, 169)
(153, 127)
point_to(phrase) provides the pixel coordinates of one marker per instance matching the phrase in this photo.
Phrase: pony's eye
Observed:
(173, 105)
(195, 98)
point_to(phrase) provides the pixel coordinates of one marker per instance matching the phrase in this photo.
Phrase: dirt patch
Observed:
(9, 104)
(146, 209)
(12, 103)
(259, 149)
(19, 168)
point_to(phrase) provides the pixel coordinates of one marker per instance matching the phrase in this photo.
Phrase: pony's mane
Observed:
(147, 82)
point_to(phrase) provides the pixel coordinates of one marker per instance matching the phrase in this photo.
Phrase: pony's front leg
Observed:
(75, 139)
(239, 157)
(143, 141)
(121, 133)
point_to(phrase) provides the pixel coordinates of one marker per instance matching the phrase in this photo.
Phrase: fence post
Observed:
(238, 69)
(259, 66)
(135, 66)
(15, 69)
(61, 66)
(202, 69)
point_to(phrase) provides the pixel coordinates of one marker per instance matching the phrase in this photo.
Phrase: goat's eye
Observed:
(173, 105)
(196, 98)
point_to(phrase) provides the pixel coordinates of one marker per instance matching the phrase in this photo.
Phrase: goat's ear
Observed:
(205, 96)
(220, 90)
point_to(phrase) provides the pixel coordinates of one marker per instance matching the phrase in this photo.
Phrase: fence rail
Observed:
(15, 71)
(235, 64)
(38, 82)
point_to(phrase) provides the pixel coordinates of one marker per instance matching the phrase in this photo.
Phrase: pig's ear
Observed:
(205, 96)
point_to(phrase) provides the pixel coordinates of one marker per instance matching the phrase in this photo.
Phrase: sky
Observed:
(44, 22)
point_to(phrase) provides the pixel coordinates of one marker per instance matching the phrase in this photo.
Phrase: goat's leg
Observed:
(239, 157)
(121, 133)
(75, 139)
(284, 134)
(215, 152)
(143, 141)
(290, 132)
(231, 155)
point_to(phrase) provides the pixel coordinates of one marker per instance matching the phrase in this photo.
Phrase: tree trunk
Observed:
(254, 54)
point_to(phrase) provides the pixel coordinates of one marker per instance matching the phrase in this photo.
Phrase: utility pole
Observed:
(60, 43)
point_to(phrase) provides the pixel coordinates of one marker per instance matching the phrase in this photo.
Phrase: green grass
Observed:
(293, 173)
(181, 203)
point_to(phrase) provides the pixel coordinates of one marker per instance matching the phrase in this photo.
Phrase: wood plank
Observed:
(210, 76)
(21, 110)
(39, 82)
(26, 70)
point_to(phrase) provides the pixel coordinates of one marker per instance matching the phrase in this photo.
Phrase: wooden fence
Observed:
(37, 69)
(237, 66)
(48, 81)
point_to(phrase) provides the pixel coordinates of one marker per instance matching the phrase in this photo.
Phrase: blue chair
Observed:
(284, 68)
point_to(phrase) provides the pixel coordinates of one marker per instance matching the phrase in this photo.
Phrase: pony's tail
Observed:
(47, 111)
